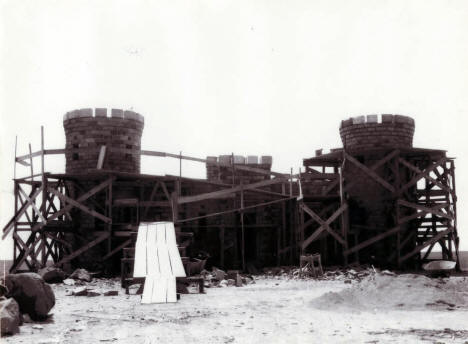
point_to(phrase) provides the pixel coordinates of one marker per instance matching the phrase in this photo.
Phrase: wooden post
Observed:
(242, 229)
(180, 174)
(282, 231)
(44, 197)
(221, 240)
(290, 183)
(109, 215)
(175, 208)
(14, 164)
(397, 210)
(32, 176)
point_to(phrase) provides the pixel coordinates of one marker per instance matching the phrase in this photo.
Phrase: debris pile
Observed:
(218, 278)
(356, 273)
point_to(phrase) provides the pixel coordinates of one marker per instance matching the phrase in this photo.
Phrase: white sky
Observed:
(249, 77)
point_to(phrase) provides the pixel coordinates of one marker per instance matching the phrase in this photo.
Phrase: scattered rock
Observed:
(238, 281)
(81, 291)
(51, 274)
(111, 293)
(219, 274)
(38, 327)
(69, 281)
(10, 316)
(230, 282)
(223, 283)
(92, 293)
(34, 296)
(82, 275)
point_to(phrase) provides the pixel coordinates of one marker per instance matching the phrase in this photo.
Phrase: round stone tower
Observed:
(371, 205)
(365, 132)
(91, 133)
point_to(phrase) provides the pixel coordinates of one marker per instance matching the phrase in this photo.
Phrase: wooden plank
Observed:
(163, 254)
(426, 209)
(79, 205)
(370, 173)
(148, 289)
(82, 249)
(101, 157)
(425, 244)
(216, 194)
(21, 158)
(153, 265)
(139, 268)
(250, 207)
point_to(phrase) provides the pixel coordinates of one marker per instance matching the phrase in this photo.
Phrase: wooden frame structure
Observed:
(61, 217)
(418, 188)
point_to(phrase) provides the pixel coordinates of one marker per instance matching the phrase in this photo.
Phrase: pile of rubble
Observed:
(218, 278)
(354, 273)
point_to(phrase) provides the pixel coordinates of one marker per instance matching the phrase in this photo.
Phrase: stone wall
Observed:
(366, 132)
(87, 130)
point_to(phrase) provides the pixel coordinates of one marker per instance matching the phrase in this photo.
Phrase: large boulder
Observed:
(51, 274)
(34, 296)
(10, 316)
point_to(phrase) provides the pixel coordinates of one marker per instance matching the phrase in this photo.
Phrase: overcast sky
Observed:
(249, 77)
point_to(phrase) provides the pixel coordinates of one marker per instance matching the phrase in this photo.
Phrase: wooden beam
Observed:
(373, 167)
(324, 225)
(417, 170)
(101, 157)
(370, 173)
(425, 244)
(384, 235)
(217, 194)
(20, 212)
(423, 174)
(33, 205)
(236, 210)
(426, 209)
(79, 205)
(82, 198)
(82, 249)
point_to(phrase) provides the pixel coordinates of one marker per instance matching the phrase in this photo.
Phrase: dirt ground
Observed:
(378, 309)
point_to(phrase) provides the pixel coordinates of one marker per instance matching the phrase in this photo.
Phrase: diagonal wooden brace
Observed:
(82, 198)
(370, 173)
(423, 174)
(425, 244)
(84, 248)
(417, 170)
(324, 225)
(79, 205)
(20, 212)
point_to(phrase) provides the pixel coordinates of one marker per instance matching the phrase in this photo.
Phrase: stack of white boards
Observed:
(157, 259)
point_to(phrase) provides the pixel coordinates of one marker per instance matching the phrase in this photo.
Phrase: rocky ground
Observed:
(344, 307)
